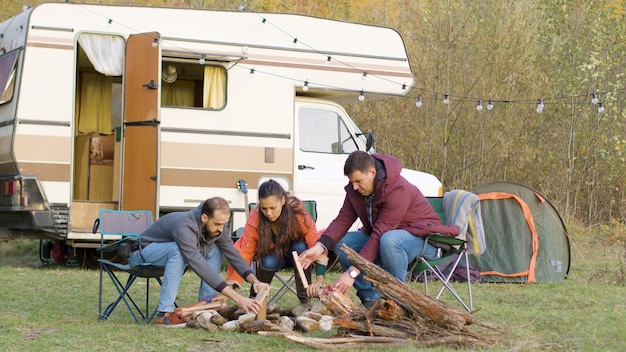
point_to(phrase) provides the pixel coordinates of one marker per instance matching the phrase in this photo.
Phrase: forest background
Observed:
(512, 54)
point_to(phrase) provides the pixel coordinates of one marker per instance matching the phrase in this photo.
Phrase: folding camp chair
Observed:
(289, 282)
(452, 249)
(126, 227)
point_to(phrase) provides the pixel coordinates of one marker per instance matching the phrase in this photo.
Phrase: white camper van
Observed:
(128, 107)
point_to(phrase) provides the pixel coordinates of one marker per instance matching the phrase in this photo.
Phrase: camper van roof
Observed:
(245, 38)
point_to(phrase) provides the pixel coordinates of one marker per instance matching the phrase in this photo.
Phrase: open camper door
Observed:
(141, 123)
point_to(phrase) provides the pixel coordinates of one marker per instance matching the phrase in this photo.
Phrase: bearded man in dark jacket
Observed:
(395, 217)
(195, 239)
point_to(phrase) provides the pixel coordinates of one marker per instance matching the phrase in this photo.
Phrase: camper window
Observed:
(187, 84)
(324, 131)
(7, 76)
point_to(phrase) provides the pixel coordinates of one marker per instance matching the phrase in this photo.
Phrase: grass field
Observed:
(55, 308)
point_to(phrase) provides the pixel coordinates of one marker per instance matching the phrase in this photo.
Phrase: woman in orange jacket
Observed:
(277, 226)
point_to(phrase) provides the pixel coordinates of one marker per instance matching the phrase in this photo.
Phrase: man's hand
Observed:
(258, 285)
(248, 304)
(315, 288)
(245, 303)
(310, 255)
(344, 282)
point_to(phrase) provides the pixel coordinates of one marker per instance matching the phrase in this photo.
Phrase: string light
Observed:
(419, 103)
(540, 106)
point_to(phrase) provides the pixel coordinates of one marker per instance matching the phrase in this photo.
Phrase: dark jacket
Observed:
(185, 228)
(397, 204)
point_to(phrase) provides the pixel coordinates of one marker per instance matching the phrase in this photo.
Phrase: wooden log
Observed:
(370, 329)
(296, 263)
(338, 302)
(186, 311)
(261, 297)
(413, 301)
(390, 310)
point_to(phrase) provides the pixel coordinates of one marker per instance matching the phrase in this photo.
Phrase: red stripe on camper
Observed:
(529, 220)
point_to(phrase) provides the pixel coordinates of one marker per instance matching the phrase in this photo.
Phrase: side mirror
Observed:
(370, 140)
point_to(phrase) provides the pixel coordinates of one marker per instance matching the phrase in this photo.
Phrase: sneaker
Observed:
(169, 320)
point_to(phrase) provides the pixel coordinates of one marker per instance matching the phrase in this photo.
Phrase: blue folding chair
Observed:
(125, 227)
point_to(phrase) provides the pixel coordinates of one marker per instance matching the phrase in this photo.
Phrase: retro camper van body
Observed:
(129, 108)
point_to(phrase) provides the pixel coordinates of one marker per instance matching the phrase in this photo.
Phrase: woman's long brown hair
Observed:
(289, 228)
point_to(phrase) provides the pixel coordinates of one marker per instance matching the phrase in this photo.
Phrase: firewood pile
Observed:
(404, 317)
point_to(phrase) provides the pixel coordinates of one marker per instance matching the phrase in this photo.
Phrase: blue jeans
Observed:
(272, 262)
(397, 249)
(168, 255)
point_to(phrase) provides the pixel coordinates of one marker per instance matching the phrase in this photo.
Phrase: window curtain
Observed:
(214, 87)
(179, 93)
(95, 104)
(106, 52)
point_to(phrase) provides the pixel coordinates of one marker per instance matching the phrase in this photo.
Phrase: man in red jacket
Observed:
(394, 214)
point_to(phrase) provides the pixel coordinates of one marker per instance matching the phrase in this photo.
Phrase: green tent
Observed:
(525, 235)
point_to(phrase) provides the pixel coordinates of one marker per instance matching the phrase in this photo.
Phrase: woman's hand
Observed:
(316, 288)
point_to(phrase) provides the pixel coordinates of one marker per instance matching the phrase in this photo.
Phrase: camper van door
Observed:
(323, 142)
(141, 123)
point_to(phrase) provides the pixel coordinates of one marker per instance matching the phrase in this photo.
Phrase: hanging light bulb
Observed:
(490, 105)
(155, 42)
(479, 105)
(594, 98)
(361, 96)
(419, 103)
(202, 60)
(446, 99)
(305, 87)
(600, 108)
(540, 106)
(364, 75)
(251, 74)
